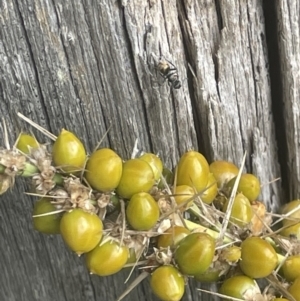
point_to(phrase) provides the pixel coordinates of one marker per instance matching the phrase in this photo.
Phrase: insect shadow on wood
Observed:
(169, 72)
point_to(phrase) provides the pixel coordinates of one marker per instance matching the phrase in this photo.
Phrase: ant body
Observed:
(169, 72)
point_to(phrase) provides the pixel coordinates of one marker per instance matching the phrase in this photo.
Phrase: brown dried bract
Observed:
(12, 161)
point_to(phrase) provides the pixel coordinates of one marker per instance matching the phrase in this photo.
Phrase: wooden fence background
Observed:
(87, 65)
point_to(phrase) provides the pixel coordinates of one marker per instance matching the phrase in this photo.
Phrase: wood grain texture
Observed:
(288, 15)
(232, 88)
(90, 66)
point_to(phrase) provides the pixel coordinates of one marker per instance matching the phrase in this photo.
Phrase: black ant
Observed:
(169, 72)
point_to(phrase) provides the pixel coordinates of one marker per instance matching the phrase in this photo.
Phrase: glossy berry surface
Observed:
(25, 142)
(155, 163)
(193, 170)
(48, 224)
(291, 268)
(241, 213)
(167, 283)
(184, 196)
(239, 287)
(68, 153)
(137, 176)
(258, 257)
(104, 170)
(223, 171)
(142, 211)
(294, 289)
(107, 259)
(195, 253)
(249, 186)
(81, 231)
(172, 236)
(290, 223)
(211, 189)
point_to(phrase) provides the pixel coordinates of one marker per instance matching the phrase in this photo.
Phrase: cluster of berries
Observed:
(201, 220)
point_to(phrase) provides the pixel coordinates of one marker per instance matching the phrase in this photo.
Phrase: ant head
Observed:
(176, 84)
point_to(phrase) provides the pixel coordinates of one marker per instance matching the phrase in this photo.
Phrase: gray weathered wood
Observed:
(288, 13)
(232, 87)
(90, 65)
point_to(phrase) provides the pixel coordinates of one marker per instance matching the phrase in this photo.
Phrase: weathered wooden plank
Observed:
(153, 34)
(79, 81)
(88, 65)
(289, 46)
(232, 87)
